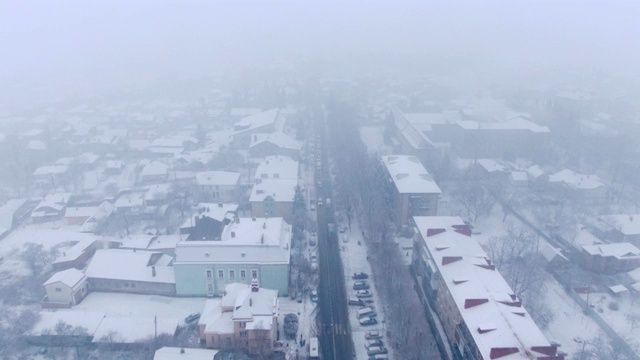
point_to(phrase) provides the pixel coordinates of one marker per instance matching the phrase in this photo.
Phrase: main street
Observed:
(335, 335)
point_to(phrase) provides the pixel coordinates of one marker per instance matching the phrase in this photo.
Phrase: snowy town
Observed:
(285, 213)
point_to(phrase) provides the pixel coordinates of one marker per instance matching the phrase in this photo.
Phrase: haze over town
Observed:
(319, 179)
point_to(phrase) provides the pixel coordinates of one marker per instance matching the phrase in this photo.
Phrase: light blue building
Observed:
(248, 248)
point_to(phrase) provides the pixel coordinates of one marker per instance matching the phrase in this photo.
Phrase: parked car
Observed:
(359, 276)
(312, 207)
(377, 351)
(360, 285)
(314, 296)
(356, 302)
(342, 229)
(369, 335)
(314, 258)
(363, 294)
(374, 343)
(192, 318)
(368, 321)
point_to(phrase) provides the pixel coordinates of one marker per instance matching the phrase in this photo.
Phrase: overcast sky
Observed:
(112, 42)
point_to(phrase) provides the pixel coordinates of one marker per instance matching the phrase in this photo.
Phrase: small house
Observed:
(65, 288)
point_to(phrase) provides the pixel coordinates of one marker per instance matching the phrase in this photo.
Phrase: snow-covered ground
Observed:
(625, 321)
(141, 306)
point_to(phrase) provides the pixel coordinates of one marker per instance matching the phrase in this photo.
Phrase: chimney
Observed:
(264, 225)
(153, 271)
(253, 219)
(250, 302)
(182, 351)
(262, 239)
(233, 234)
(219, 204)
(237, 220)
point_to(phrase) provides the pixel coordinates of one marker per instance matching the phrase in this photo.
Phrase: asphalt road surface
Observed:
(335, 337)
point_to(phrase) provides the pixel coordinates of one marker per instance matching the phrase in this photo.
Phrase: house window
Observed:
(232, 274)
(209, 274)
(243, 334)
(221, 274)
(126, 285)
(133, 285)
(254, 273)
(58, 290)
(243, 325)
(210, 288)
(243, 274)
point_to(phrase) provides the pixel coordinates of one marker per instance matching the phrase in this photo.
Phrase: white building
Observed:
(217, 186)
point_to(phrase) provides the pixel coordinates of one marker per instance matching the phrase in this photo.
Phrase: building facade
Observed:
(249, 248)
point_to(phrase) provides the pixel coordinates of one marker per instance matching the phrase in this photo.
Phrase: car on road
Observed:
(312, 207)
(360, 285)
(191, 318)
(374, 343)
(319, 201)
(370, 335)
(356, 302)
(314, 296)
(368, 321)
(342, 229)
(314, 258)
(363, 294)
(377, 351)
(379, 357)
(359, 276)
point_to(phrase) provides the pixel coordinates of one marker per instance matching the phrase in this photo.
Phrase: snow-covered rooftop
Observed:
(277, 167)
(620, 251)
(256, 306)
(627, 224)
(576, 180)
(282, 190)
(513, 124)
(70, 277)
(51, 170)
(409, 176)
(222, 178)
(214, 211)
(277, 138)
(131, 265)
(492, 313)
(245, 240)
(7, 211)
(258, 120)
(155, 168)
(491, 165)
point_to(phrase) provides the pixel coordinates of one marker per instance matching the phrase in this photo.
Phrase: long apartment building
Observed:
(482, 317)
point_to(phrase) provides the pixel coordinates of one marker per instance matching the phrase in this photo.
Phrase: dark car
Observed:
(359, 276)
(374, 343)
(377, 351)
(368, 321)
(192, 318)
(360, 285)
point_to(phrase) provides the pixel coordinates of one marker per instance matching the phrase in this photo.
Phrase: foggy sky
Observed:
(105, 43)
